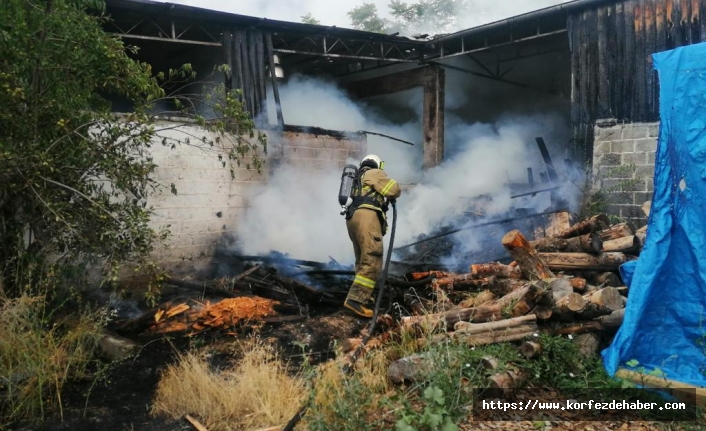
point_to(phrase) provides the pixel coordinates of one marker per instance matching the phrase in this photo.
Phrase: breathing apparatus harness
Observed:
(381, 282)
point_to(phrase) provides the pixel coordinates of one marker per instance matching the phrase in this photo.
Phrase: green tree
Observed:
(309, 19)
(74, 177)
(365, 17)
(422, 16)
(433, 16)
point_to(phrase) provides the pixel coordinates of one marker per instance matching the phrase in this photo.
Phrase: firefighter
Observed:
(367, 224)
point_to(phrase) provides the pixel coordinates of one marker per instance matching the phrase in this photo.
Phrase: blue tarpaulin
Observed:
(665, 316)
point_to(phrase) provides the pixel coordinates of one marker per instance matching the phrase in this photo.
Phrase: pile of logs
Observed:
(567, 283)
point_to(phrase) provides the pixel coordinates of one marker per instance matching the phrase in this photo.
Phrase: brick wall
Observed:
(209, 203)
(623, 167)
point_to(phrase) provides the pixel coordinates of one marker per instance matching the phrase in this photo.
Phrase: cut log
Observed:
(531, 293)
(504, 336)
(627, 244)
(588, 344)
(643, 229)
(560, 288)
(604, 323)
(476, 328)
(616, 231)
(569, 305)
(642, 236)
(530, 349)
(527, 257)
(489, 363)
(495, 270)
(542, 312)
(416, 276)
(507, 379)
(452, 281)
(646, 208)
(558, 222)
(583, 261)
(601, 302)
(594, 224)
(481, 298)
(578, 284)
(589, 243)
(502, 286)
(607, 279)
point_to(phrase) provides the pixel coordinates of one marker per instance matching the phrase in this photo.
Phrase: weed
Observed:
(37, 357)
(258, 392)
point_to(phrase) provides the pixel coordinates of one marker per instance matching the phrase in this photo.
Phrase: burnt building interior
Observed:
(582, 61)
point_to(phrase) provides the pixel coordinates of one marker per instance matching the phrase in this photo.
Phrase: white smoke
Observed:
(297, 211)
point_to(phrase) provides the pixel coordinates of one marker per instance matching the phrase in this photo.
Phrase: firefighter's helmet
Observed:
(371, 159)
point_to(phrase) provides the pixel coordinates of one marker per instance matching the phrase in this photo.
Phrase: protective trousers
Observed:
(365, 231)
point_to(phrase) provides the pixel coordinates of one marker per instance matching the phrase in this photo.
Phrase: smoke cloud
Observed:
(297, 211)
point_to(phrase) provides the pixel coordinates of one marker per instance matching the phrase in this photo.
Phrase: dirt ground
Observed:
(121, 401)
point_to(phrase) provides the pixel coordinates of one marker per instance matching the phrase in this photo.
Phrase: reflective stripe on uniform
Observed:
(388, 186)
(364, 281)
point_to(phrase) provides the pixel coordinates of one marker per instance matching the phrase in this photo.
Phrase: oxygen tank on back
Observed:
(348, 178)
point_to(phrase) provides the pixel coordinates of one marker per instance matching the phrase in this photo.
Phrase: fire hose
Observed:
(382, 281)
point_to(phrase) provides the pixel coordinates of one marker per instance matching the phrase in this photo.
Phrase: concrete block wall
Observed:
(623, 167)
(320, 151)
(209, 203)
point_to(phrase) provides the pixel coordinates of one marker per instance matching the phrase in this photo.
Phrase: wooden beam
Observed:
(432, 80)
(388, 84)
(433, 117)
(273, 78)
(682, 391)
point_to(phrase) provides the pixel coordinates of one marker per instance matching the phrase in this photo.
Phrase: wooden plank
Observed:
(611, 54)
(629, 69)
(686, 21)
(702, 19)
(573, 26)
(677, 33)
(682, 391)
(433, 117)
(252, 62)
(603, 82)
(273, 78)
(228, 56)
(695, 21)
(388, 84)
(585, 77)
(239, 81)
(640, 62)
(660, 26)
(260, 67)
(619, 73)
(670, 30)
(649, 70)
(592, 27)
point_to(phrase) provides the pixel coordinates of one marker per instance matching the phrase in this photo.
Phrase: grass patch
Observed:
(257, 393)
(37, 357)
(443, 398)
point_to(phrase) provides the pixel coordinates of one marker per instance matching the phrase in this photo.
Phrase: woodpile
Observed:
(566, 284)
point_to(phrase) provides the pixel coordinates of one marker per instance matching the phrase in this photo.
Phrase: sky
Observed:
(334, 12)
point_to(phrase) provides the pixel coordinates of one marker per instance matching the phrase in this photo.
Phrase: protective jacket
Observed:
(374, 187)
(366, 223)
